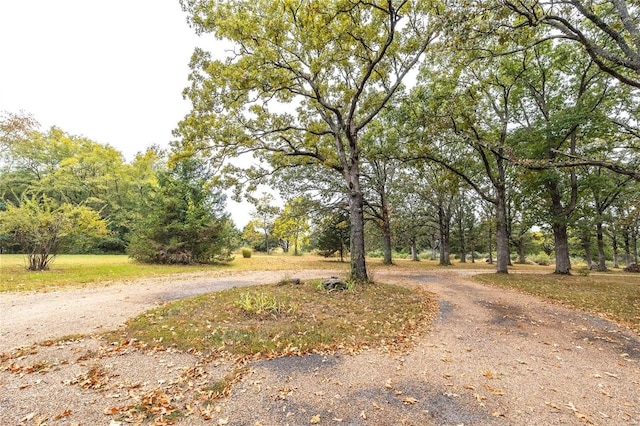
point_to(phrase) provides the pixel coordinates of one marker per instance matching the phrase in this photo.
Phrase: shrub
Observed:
(246, 253)
(542, 259)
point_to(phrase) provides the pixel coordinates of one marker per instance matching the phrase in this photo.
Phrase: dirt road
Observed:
(491, 357)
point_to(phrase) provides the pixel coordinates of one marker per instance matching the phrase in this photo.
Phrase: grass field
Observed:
(82, 270)
(78, 270)
(615, 295)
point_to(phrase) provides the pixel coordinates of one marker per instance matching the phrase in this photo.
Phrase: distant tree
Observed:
(251, 237)
(332, 234)
(264, 216)
(293, 224)
(42, 228)
(185, 222)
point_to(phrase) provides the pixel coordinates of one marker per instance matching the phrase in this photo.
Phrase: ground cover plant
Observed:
(616, 296)
(286, 319)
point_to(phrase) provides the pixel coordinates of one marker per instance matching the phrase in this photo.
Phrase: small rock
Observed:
(334, 283)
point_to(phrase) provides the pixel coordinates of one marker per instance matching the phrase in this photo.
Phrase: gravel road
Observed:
(491, 357)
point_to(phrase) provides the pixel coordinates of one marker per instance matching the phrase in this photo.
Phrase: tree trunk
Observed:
(490, 259)
(463, 249)
(356, 214)
(602, 265)
(386, 228)
(502, 236)
(522, 258)
(561, 242)
(614, 243)
(414, 251)
(627, 245)
(386, 243)
(444, 225)
(559, 227)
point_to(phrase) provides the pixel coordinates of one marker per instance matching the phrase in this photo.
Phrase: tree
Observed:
(42, 228)
(609, 31)
(337, 63)
(14, 128)
(186, 222)
(293, 224)
(264, 216)
(560, 113)
(332, 234)
(79, 171)
(379, 172)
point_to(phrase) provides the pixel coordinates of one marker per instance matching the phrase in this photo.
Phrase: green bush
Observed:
(246, 253)
(542, 259)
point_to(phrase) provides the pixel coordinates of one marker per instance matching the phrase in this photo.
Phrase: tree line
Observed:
(519, 101)
(416, 124)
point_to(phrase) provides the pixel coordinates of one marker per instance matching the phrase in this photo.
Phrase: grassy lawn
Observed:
(80, 270)
(616, 295)
(285, 318)
(77, 270)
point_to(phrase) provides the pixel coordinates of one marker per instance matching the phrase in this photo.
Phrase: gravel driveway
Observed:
(492, 356)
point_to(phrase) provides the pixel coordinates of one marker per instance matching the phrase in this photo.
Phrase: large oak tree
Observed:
(303, 79)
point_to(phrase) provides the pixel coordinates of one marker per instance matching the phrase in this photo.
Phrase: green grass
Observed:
(79, 270)
(217, 323)
(614, 295)
(82, 270)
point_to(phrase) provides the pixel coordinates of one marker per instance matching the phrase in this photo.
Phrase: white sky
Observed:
(110, 70)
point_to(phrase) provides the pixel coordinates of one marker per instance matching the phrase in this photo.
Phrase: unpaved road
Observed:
(492, 356)
(35, 317)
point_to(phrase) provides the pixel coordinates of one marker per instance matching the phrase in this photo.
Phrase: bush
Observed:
(246, 253)
(542, 259)
(376, 253)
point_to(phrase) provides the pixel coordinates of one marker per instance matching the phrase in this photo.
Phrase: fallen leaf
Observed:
(222, 422)
(315, 419)
(409, 400)
(65, 413)
(387, 384)
(110, 411)
(582, 417)
(28, 417)
(41, 421)
(493, 390)
(488, 374)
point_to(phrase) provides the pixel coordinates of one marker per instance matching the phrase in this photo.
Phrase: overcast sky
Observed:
(110, 70)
